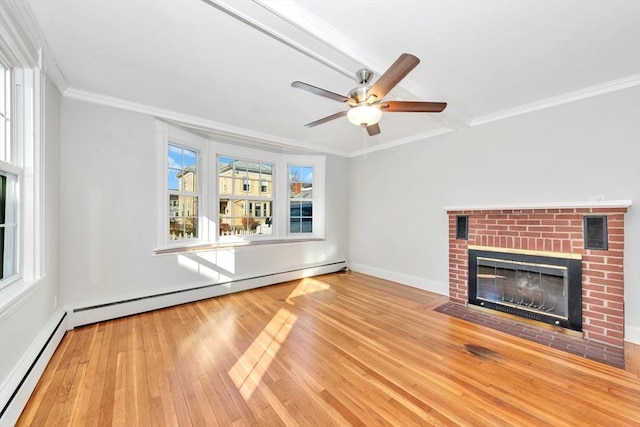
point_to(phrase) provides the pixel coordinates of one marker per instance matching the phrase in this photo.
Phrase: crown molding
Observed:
(565, 98)
(217, 129)
(32, 45)
(402, 141)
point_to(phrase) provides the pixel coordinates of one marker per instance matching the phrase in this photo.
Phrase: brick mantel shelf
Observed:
(551, 227)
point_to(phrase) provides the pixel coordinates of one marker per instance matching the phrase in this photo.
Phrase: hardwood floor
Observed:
(340, 349)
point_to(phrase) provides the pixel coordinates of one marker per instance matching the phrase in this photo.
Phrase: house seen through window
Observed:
(300, 199)
(183, 193)
(245, 204)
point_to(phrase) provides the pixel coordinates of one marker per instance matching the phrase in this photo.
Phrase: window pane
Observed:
(5, 124)
(300, 195)
(300, 182)
(187, 179)
(266, 179)
(188, 206)
(294, 225)
(175, 157)
(183, 228)
(307, 225)
(182, 165)
(306, 174)
(8, 226)
(173, 183)
(245, 217)
(3, 86)
(244, 177)
(3, 199)
(307, 209)
(183, 217)
(225, 184)
(264, 226)
(295, 209)
(190, 158)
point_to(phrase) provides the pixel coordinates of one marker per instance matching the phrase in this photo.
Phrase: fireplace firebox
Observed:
(538, 286)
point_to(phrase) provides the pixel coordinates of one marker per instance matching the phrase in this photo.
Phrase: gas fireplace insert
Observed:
(545, 287)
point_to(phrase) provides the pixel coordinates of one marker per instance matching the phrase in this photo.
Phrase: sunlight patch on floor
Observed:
(307, 286)
(248, 371)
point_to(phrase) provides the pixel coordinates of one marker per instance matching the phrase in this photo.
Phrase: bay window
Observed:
(220, 193)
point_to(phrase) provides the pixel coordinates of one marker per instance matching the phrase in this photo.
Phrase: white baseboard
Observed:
(84, 315)
(405, 279)
(21, 382)
(632, 334)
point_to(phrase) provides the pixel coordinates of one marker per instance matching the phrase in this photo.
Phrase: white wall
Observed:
(398, 226)
(108, 219)
(27, 323)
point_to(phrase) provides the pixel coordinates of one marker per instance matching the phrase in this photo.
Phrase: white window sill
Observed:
(13, 295)
(235, 244)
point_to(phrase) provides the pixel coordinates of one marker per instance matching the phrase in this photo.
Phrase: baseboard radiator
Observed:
(89, 314)
(30, 370)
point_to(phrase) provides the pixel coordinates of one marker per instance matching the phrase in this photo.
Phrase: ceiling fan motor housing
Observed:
(359, 95)
(363, 76)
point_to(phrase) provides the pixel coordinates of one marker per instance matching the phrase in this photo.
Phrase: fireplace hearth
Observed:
(528, 284)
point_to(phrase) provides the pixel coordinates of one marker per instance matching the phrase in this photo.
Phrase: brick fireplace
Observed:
(551, 230)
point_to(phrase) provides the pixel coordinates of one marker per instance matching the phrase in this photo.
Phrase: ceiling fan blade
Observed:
(398, 70)
(373, 129)
(319, 91)
(326, 119)
(412, 107)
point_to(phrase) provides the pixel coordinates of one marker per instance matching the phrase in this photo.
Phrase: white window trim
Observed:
(169, 135)
(208, 152)
(318, 164)
(26, 165)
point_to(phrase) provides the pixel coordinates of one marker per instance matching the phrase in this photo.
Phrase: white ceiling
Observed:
(225, 67)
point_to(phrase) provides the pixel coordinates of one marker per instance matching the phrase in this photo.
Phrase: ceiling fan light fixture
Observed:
(364, 115)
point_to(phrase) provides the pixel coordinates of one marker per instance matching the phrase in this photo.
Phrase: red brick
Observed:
(603, 324)
(609, 312)
(598, 280)
(530, 234)
(607, 340)
(607, 296)
(568, 229)
(529, 222)
(586, 288)
(592, 315)
(612, 260)
(518, 216)
(569, 216)
(593, 329)
(603, 267)
(608, 210)
(615, 277)
(518, 227)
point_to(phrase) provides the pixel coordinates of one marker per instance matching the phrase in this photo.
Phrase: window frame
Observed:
(24, 163)
(252, 156)
(317, 163)
(170, 135)
(209, 216)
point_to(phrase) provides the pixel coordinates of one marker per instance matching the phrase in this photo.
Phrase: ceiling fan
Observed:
(365, 101)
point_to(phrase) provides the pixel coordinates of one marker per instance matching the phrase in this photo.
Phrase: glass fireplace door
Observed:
(527, 286)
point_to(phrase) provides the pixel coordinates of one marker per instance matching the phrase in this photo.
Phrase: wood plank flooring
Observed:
(335, 350)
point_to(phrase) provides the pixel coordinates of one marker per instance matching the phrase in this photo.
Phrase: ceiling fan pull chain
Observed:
(364, 140)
